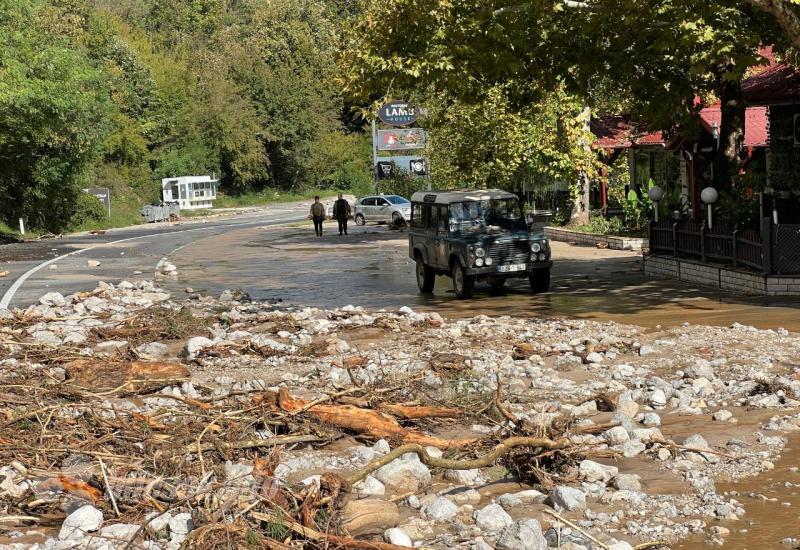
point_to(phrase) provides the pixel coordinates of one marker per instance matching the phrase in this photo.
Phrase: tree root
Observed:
(486, 460)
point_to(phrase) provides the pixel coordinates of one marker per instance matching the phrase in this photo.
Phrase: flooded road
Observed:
(371, 268)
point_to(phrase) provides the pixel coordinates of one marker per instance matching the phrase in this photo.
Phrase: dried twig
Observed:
(254, 443)
(108, 487)
(578, 529)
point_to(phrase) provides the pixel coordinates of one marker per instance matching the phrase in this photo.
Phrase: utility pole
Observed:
(375, 153)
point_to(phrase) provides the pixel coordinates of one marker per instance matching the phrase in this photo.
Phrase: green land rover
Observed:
(474, 236)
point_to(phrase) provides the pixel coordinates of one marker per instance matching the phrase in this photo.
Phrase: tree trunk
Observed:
(731, 133)
(784, 14)
(582, 200)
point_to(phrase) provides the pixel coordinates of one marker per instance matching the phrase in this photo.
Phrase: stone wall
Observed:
(590, 239)
(740, 282)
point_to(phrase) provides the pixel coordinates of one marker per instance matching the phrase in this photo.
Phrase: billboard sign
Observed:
(397, 113)
(401, 139)
(103, 194)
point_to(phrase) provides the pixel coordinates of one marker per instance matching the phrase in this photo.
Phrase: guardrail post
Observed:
(675, 239)
(766, 245)
(703, 243)
(735, 247)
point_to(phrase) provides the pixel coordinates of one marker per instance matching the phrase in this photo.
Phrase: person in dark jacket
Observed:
(342, 212)
(318, 215)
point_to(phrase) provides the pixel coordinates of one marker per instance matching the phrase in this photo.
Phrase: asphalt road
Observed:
(370, 268)
(126, 253)
(260, 254)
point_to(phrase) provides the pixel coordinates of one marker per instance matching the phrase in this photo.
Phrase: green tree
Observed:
(659, 55)
(53, 109)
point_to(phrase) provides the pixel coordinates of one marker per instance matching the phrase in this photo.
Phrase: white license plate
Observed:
(510, 268)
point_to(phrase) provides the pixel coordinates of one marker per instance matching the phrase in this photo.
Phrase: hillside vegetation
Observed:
(120, 93)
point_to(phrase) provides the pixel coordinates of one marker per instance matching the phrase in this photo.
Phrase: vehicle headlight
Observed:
(542, 257)
(479, 262)
(480, 252)
(535, 247)
(489, 261)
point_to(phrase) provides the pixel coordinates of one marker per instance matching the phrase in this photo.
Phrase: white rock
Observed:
(723, 415)
(371, 487)
(442, 509)
(471, 478)
(114, 535)
(492, 518)
(179, 526)
(627, 482)
(616, 435)
(628, 408)
(54, 299)
(85, 519)
(152, 350)
(92, 263)
(568, 498)
(404, 475)
(159, 523)
(522, 535)
(658, 398)
(594, 357)
(381, 447)
(195, 345)
(398, 537)
(594, 471)
(651, 420)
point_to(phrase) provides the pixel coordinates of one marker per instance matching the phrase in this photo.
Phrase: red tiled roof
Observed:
(755, 125)
(777, 83)
(620, 132)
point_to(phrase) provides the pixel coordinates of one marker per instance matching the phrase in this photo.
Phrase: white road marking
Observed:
(9, 295)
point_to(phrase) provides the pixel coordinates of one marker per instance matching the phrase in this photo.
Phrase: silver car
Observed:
(382, 208)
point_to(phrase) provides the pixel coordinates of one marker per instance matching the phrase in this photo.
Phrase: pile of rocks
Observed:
(550, 370)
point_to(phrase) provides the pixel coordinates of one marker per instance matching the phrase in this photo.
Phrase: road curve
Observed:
(63, 264)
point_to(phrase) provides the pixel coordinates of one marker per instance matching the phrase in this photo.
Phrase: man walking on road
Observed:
(341, 211)
(318, 215)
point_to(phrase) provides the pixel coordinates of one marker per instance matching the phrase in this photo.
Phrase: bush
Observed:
(602, 226)
(88, 210)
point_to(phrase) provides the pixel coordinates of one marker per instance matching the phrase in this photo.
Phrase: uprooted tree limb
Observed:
(369, 422)
(486, 460)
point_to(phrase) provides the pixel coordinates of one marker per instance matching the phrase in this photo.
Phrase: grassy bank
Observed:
(125, 209)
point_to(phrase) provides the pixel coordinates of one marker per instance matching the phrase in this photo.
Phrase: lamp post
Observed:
(656, 194)
(709, 196)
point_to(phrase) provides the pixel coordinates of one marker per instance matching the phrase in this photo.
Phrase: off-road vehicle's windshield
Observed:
(503, 213)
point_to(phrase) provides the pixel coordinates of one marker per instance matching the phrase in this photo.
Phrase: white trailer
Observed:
(190, 192)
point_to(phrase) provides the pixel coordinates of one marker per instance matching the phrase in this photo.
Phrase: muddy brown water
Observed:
(370, 267)
(771, 516)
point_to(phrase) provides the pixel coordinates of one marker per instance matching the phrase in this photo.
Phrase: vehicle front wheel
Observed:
(425, 276)
(540, 280)
(360, 219)
(396, 218)
(463, 284)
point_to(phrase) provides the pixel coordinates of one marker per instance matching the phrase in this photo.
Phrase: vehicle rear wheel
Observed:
(540, 280)
(463, 284)
(360, 219)
(425, 276)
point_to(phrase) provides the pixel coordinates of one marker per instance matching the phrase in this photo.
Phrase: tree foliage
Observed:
(123, 93)
(656, 57)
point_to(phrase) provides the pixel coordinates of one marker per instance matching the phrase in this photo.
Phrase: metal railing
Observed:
(786, 253)
(720, 243)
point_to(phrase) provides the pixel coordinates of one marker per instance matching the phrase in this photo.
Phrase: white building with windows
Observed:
(190, 192)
